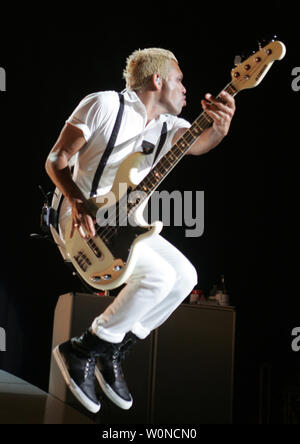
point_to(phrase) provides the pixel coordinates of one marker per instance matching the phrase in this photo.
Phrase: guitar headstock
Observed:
(250, 72)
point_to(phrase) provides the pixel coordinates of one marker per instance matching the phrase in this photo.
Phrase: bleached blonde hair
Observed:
(143, 63)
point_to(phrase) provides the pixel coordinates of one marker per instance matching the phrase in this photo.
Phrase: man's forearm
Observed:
(59, 172)
(70, 141)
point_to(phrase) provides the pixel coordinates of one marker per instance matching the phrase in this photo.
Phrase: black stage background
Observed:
(250, 181)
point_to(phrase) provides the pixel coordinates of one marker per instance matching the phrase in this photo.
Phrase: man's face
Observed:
(173, 92)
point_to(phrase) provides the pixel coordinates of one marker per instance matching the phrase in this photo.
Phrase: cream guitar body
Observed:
(107, 260)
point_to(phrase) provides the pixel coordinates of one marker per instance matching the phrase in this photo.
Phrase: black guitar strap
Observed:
(109, 147)
(111, 144)
(162, 140)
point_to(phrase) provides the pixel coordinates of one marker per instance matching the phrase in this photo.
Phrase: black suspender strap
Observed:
(109, 148)
(162, 140)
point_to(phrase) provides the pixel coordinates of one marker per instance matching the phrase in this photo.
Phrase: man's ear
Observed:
(156, 81)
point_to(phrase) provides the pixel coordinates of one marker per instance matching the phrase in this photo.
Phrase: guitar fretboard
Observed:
(174, 155)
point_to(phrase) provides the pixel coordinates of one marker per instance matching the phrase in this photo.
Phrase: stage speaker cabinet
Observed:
(182, 373)
(194, 362)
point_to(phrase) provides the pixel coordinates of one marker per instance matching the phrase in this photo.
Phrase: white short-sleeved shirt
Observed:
(95, 116)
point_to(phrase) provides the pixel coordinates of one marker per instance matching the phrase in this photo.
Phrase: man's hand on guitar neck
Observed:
(221, 112)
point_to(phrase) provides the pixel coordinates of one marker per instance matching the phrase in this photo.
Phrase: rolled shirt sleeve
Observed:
(87, 115)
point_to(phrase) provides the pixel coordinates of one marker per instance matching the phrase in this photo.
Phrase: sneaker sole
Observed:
(116, 399)
(79, 395)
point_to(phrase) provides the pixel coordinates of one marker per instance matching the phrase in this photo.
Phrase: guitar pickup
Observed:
(82, 260)
(94, 248)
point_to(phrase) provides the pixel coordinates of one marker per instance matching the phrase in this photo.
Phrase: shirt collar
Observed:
(132, 97)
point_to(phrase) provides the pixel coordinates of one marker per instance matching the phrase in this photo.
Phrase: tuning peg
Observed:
(263, 42)
(251, 53)
(237, 60)
(267, 39)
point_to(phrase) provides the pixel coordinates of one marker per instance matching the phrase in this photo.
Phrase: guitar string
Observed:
(162, 168)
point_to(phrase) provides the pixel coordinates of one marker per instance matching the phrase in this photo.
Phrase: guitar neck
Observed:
(175, 154)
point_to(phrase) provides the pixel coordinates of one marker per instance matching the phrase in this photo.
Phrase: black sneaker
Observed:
(110, 375)
(77, 366)
(129, 340)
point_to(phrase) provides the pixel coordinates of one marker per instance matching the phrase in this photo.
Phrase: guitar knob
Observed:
(107, 276)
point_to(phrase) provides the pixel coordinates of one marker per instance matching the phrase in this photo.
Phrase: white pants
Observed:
(162, 279)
